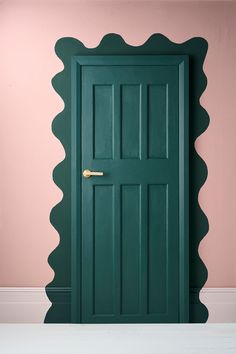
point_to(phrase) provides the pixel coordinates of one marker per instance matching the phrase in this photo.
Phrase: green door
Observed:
(134, 128)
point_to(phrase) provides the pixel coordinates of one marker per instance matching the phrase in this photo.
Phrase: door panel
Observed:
(102, 248)
(103, 102)
(157, 121)
(130, 215)
(157, 248)
(130, 121)
(130, 249)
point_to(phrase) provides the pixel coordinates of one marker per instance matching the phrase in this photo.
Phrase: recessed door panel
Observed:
(102, 250)
(130, 249)
(130, 121)
(157, 121)
(131, 125)
(103, 108)
(157, 248)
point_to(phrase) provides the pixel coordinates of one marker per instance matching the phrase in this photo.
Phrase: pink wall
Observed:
(29, 151)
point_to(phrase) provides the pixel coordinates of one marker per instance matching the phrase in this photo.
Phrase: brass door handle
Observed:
(88, 173)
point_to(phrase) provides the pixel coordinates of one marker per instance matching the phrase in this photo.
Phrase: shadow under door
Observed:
(134, 199)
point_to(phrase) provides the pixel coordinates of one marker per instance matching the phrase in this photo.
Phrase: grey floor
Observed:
(117, 339)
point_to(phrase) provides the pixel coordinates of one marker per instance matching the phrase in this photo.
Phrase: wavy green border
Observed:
(60, 258)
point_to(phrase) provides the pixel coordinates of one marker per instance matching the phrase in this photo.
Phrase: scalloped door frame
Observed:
(65, 217)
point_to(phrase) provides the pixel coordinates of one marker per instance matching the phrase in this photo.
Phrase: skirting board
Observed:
(30, 305)
(221, 304)
(23, 305)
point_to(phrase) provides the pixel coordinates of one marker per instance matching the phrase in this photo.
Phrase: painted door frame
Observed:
(63, 215)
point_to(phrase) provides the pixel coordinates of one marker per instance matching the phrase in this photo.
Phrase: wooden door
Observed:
(134, 131)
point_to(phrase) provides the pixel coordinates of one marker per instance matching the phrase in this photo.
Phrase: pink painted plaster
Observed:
(29, 151)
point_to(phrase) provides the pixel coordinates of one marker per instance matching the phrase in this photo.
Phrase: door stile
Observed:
(117, 210)
(117, 245)
(144, 250)
(144, 120)
(116, 121)
(76, 184)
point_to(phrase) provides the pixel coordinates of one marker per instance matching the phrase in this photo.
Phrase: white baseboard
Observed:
(23, 305)
(221, 304)
(30, 305)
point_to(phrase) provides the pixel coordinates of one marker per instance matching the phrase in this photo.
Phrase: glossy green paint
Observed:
(66, 128)
(132, 129)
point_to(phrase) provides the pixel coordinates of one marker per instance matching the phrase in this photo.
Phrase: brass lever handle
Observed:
(88, 173)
